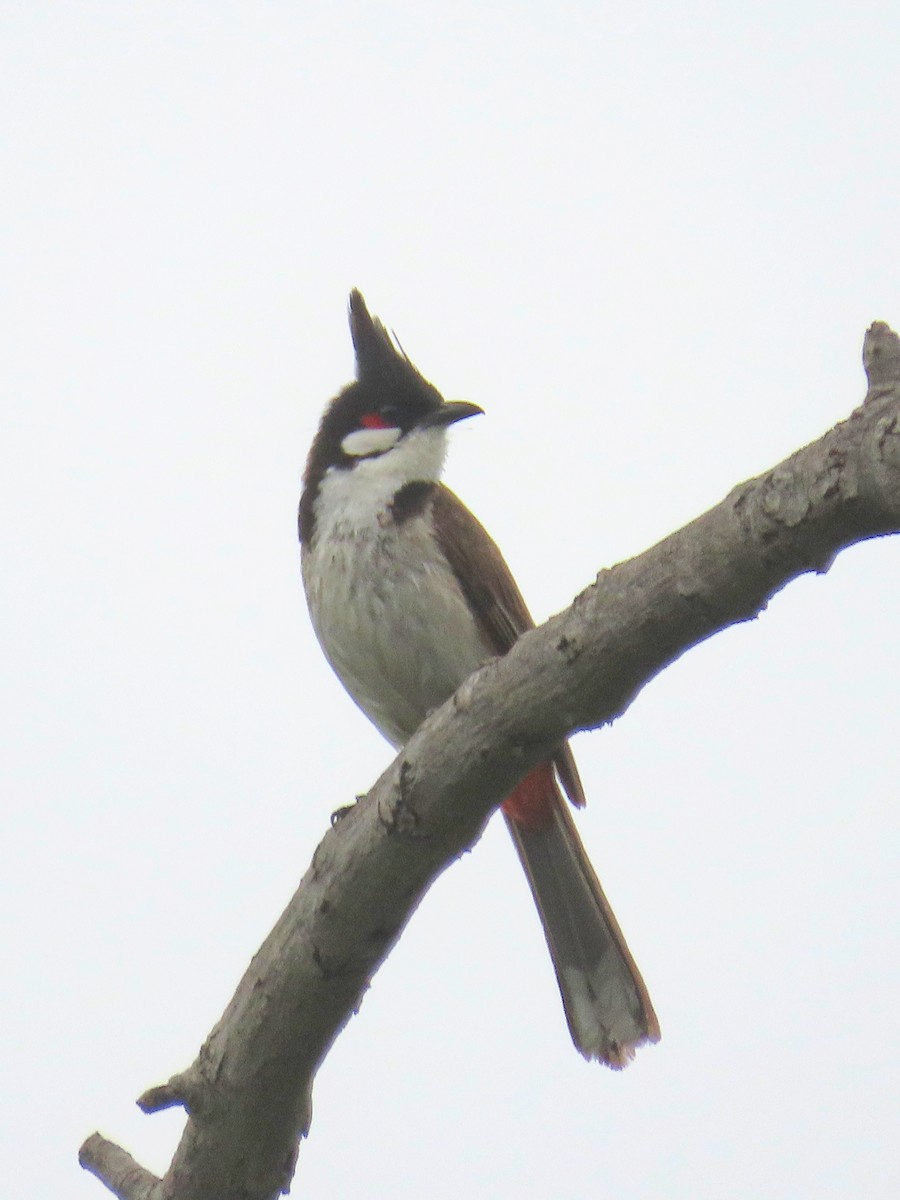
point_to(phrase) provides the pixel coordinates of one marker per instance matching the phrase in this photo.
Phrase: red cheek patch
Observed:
(373, 421)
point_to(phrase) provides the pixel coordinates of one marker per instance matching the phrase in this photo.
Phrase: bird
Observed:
(408, 595)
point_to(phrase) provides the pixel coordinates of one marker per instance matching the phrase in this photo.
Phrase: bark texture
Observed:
(247, 1095)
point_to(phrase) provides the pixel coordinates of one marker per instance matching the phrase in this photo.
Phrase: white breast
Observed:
(385, 606)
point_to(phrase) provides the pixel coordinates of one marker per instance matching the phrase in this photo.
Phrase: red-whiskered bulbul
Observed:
(408, 596)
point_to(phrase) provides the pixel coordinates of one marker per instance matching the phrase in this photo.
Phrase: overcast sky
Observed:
(648, 240)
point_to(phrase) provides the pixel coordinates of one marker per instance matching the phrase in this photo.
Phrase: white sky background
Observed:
(648, 243)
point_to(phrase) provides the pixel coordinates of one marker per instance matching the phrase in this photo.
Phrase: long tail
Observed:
(607, 1004)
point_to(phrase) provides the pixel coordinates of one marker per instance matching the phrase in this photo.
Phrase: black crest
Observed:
(387, 383)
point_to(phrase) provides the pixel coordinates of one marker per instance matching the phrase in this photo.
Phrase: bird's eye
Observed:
(374, 420)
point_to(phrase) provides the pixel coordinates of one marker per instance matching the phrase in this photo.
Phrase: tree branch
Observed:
(248, 1092)
(116, 1168)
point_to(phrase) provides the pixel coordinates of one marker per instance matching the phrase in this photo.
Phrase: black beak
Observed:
(449, 413)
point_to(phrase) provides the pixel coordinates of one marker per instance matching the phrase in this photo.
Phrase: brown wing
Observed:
(494, 595)
(481, 571)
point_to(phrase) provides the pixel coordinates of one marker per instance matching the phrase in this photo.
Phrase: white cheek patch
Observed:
(363, 442)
